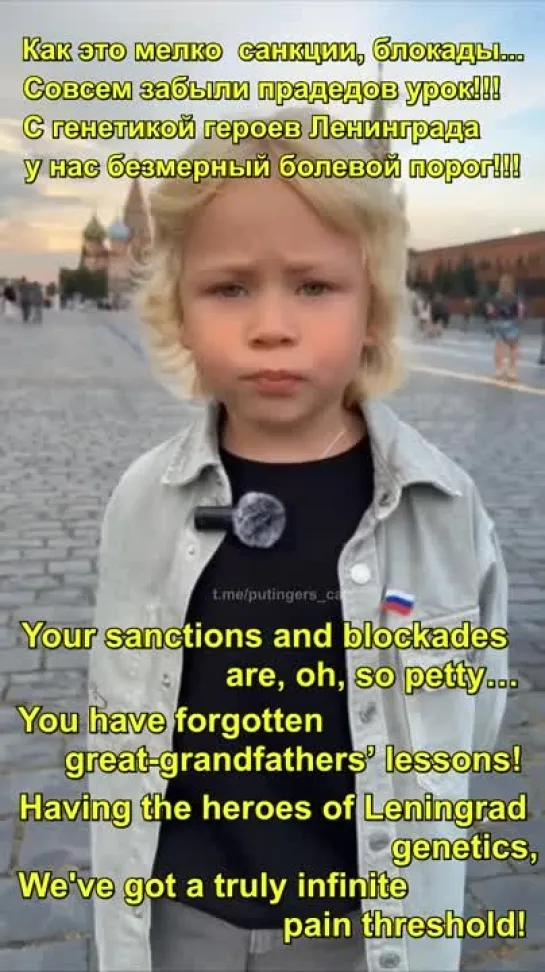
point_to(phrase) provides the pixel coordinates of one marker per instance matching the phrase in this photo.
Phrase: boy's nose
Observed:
(271, 323)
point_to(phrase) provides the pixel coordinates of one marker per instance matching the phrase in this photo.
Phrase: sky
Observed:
(41, 224)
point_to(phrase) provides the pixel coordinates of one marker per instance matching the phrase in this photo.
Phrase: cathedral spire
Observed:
(378, 112)
(379, 146)
(135, 207)
(94, 232)
(135, 217)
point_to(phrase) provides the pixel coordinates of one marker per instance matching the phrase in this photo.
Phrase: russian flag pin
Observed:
(397, 601)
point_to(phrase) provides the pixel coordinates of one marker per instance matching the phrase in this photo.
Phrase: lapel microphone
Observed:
(258, 519)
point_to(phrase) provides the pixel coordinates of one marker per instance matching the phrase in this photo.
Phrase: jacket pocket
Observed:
(440, 700)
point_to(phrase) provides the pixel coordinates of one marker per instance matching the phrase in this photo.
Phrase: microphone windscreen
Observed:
(259, 520)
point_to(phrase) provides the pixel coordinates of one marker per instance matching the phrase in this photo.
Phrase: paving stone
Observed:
(536, 676)
(7, 834)
(20, 568)
(31, 920)
(56, 957)
(17, 662)
(537, 777)
(516, 960)
(36, 584)
(531, 830)
(10, 720)
(518, 891)
(531, 612)
(490, 785)
(55, 844)
(524, 683)
(64, 596)
(70, 567)
(61, 688)
(534, 707)
(41, 554)
(51, 782)
(61, 615)
(32, 750)
(60, 658)
(481, 870)
(526, 595)
(17, 600)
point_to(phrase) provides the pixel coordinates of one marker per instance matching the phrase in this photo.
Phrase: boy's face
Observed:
(274, 303)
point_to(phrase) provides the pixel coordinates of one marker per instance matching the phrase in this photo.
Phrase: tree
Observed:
(484, 293)
(467, 277)
(88, 284)
(65, 284)
(417, 279)
(442, 280)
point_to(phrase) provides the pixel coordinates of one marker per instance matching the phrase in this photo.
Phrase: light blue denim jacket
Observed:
(427, 534)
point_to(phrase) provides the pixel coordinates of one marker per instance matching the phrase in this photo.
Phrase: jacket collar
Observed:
(402, 457)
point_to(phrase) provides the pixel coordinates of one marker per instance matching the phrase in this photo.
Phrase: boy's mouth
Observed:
(275, 382)
(275, 376)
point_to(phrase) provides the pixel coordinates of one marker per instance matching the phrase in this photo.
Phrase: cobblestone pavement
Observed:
(77, 406)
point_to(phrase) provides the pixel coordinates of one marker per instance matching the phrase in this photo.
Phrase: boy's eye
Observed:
(315, 288)
(227, 290)
(311, 288)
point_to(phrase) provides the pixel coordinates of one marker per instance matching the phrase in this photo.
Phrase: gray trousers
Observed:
(184, 939)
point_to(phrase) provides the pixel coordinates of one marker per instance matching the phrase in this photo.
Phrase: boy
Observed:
(276, 300)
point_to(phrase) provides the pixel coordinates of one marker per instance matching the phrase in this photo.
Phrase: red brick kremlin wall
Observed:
(521, 255)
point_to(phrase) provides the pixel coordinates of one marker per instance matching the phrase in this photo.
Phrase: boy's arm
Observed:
(493, 598)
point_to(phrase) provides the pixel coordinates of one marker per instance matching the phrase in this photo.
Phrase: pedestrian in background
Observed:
(10, 303)
(37, 303)
(506, 311)
(439, 315)
(468, 308)
(541, 359)
(25, 298)
(422, 314)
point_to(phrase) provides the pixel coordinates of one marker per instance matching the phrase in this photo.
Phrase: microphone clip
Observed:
(258, 520)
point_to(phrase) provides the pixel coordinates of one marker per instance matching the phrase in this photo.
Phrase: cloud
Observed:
(18, 196)
(14, 191)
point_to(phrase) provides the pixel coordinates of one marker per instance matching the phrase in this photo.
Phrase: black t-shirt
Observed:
(292, 585)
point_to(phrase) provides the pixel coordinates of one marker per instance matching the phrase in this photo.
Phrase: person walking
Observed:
(505, 311)
(37, 302)
(421, 309)
(541, 359)
(25, 298)
(468, 308)
(10, 302)
(439, 315)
